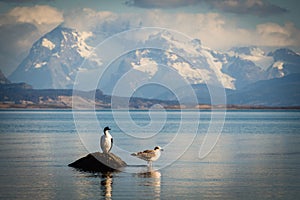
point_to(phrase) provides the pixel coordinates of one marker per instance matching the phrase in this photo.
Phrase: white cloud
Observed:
(213, 29)
(218, 32)
(271, 34)
(250, 7)
(161, 4)
(20, 28)
(38, 15)
(48, 44)
(87, 19)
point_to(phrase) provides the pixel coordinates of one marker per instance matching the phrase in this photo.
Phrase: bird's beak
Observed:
(162, 149)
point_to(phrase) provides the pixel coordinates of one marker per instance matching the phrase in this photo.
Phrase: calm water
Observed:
(256, 157)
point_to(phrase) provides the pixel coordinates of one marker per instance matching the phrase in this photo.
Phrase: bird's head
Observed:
(106, 129)
(158, 148)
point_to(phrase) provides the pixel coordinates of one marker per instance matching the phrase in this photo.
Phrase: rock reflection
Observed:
(152, 179)
(106, 185)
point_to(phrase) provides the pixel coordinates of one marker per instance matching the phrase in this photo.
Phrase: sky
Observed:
(219, 25)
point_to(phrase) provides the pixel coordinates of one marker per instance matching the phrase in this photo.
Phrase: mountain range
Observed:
(249, 75)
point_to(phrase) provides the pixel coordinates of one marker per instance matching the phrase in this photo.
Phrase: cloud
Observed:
(15, 40)
(253, 7)
(271, 34)
(161, 4)
(9, 34)
(214, 29)
(38, 15)
(20, 28)
(250, 7)
(87, 19)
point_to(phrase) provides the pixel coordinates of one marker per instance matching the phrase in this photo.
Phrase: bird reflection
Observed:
(106, 185)
(152, 179)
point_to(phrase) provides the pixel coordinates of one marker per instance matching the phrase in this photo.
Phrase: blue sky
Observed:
(218, 24)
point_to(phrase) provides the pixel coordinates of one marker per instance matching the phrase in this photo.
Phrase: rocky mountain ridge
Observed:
(56, 58)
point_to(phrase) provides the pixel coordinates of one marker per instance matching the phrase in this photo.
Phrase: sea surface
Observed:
(256, 154)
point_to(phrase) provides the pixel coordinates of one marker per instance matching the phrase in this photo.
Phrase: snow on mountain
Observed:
(54, 59)
(83, 49)
(227, 80)
(276, 64)
(254, 54)
(145, 65)
(193, 62)
(48, 44)
(201, 66)
(285, 62)
(239, 63)
(39, 65)
(278, 67)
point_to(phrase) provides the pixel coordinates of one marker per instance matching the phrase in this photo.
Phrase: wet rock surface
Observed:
(99, 162)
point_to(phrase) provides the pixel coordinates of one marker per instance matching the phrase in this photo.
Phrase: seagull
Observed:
(149, 155)
(106, 141)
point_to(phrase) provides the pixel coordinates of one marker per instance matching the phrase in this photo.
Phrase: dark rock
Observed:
(99, 162)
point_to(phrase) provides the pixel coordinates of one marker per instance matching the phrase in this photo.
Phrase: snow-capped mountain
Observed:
(54, 59)
(244, 64)
(189, 59)
(275, 64)
(285, 62)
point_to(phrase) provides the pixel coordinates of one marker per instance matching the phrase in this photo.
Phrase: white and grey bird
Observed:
(149, 155)
(106, 141)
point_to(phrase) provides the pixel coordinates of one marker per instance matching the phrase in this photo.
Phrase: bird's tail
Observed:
(134, 154)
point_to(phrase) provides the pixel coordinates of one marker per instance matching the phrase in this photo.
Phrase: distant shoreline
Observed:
(5, 106)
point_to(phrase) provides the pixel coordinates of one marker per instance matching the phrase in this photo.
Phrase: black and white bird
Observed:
(106, 141)
(149, 155)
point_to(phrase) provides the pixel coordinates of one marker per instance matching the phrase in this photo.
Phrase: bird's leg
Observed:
(149, 168)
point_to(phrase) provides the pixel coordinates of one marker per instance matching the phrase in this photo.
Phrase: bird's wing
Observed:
(146, 154)
(147, 151)
(101, 140)
(112, 141)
